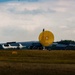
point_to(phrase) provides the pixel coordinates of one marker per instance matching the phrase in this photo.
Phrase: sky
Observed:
(24, 20)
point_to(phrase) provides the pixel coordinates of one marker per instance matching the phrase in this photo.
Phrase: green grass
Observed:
(37, 62)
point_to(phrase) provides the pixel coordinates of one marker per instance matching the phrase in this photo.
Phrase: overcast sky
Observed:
(23, 20)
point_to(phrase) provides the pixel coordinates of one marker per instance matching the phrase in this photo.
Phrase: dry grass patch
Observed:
(37, 62)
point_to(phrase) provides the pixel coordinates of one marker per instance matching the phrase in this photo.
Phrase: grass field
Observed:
(37, 62)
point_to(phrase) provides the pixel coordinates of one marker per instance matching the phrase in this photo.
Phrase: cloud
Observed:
(24, 20)
(33, 12)
(19, 0)
(30, 1)
(23, 8)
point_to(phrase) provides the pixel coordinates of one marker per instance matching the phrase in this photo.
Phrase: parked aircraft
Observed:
(21, 46)
(9, 46)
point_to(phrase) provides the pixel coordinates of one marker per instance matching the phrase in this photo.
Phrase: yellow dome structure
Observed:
(46, 38)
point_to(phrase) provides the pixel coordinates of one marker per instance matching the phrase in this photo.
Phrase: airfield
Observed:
(20, 61)
(37, 62)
